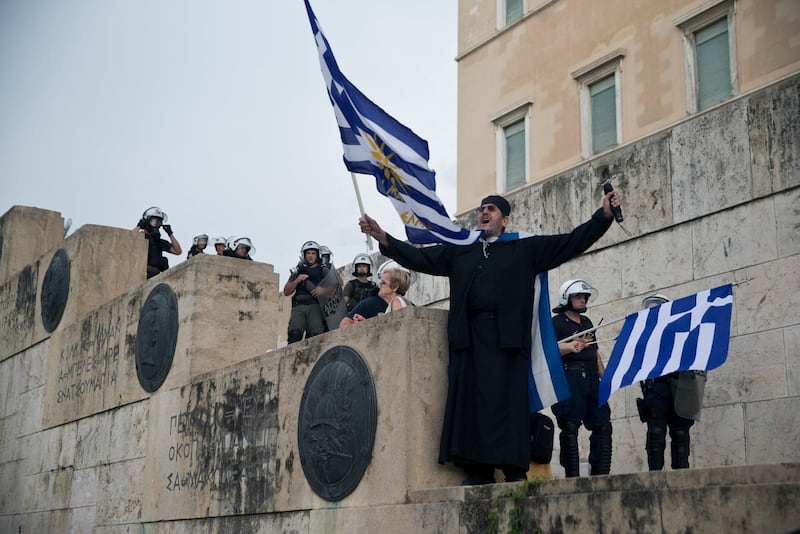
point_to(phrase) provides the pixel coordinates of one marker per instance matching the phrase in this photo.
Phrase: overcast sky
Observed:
(216, 112)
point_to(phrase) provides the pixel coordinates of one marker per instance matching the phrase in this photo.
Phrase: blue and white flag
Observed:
(376, 144)
(691, 333)
(547, 382)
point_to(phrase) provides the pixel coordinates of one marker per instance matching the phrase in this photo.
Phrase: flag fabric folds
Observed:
(377, 144)
(691, 333)
(547, 382)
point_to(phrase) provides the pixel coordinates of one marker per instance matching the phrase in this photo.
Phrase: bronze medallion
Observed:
(156, 337)
(336, 425)
(55, 290)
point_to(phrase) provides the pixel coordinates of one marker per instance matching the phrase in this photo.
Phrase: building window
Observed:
(710, 59)
(599, 84)
(603, 96)
(512, 129)
(509, 12)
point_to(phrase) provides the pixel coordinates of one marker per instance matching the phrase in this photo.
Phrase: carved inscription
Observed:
(88, 365)
(18, 308)
(224, 444)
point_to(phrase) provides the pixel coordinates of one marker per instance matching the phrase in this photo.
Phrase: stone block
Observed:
(228, 445)
(710, 159)
(754, 370)
(601, 269)
(30, 409)
(8, 403)
(628, 441)
(791, 337)
(56, 449)
(735, 238)
(221, 303)
(419, 518)
(128, 438)
(48, 490)
(85, 483)
(25, 234)
(719, 437)
(91, 283)
(760, 303)
(50, 521)
(774, 128)
(787, 218)
(568, 200)
(773, 431)
(13, 488)
(83, 519)
(92, 440)
(121, 488)
(655, 261)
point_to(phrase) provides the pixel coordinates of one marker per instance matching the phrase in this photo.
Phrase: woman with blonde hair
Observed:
(394, 282)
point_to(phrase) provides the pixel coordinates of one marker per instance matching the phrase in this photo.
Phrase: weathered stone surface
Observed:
(773, 431)
(128, 437)
(85, 483)
(787, 215)
(652, 262)
(774, 120)
(50, 521)
(791, 337)
(91, 363)
(601, 269)
(92, 283)
(719, 437)
(48, 490)
(55, 449)
(710, 158)
(755, 370)
(25, 234)
(117, 502)
(760, 303)
(92, 441)
(427, 517)
(735, 238)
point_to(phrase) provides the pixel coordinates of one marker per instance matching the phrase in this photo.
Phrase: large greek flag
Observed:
(690, 333)
(376, 144)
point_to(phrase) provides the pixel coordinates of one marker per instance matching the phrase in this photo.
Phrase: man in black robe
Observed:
(486, 420)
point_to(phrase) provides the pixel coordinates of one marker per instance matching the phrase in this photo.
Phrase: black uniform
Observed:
(583, 378)
(231, 254)
(356, 291)
(156, 261)
(369, 307)
(193, 252)
(486, 420)
(659, 413)
(306, 316)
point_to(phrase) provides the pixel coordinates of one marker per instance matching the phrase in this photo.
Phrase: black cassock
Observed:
(489, 323)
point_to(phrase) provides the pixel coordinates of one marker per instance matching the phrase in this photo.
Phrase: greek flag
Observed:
(376, 144)
(690, 333)
(547, 383)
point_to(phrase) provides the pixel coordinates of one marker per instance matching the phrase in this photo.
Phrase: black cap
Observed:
(500, 202)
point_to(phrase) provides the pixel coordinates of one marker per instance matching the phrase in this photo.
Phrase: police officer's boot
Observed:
(294, 336)
(655, 446)
(569, 449)
(680, 449)
(600, 450)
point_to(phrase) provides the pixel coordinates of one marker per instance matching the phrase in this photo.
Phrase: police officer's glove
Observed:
(142, 224)
(167, 228)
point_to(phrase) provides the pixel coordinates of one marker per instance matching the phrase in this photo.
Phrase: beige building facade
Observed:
(544, 85)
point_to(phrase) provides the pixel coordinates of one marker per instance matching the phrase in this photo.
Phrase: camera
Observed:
(301, 268)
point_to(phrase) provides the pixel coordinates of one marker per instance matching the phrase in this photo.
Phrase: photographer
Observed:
(153, 219)
(303, 285)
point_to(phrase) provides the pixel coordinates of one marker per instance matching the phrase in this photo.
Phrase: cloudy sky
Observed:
(216, 112)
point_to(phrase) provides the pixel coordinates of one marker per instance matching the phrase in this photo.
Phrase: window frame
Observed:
(520, 112)
(501, 14)
(598, 70)
(693, 22)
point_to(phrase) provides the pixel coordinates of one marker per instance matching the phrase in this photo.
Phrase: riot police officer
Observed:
(303, 286)
(671, 402)
(153, 220)
(361, 287)
(583, 368)
(198, 245)
(239, 247)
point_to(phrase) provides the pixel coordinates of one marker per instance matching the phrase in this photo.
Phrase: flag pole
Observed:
(361, 207)
(590, 330)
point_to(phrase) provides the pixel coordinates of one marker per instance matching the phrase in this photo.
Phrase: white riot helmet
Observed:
(243, 242)
(198, 238)
(574, 287)
(325, 254)
(390, 265)
(155, 212)
(654, 300)
(308, 245)
(362, 259)
(219, 241)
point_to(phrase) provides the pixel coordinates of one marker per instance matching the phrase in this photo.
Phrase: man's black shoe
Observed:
(476, 480)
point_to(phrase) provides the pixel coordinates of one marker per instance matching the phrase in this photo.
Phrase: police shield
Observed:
(688, 393)
(331, 300)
